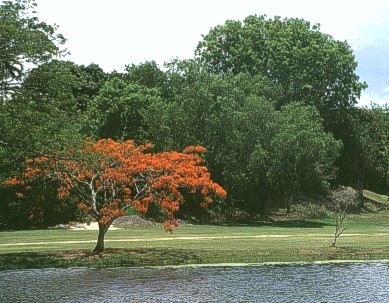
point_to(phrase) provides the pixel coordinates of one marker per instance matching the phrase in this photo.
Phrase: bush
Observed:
(310, 210)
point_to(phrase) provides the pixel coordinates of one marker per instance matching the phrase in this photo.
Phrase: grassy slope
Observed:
(367, 237)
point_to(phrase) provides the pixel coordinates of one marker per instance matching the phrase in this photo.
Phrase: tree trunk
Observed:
(360, 188)
(288, 201)
(103, 228)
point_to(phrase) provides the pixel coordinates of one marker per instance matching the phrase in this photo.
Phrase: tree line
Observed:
(274, 101)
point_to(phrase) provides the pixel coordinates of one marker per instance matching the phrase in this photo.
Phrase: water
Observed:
(352, 282)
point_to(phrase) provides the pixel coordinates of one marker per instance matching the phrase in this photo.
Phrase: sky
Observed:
(115, 33)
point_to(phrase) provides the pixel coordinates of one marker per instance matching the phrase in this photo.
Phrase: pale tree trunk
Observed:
(103, 228)
(289, 200)
(338, 226)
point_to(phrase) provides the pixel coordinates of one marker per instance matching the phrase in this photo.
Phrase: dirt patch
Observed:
(129, 221)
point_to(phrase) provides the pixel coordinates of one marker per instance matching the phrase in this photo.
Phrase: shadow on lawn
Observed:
(110, 257)
(300, 223)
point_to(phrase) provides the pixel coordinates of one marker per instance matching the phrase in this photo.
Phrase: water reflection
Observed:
(358, 282)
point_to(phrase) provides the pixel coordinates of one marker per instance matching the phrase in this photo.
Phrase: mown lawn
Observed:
(282, 240)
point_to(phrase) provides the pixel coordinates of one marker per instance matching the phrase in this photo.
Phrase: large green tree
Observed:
(235, 117)
(309, 65)
(32, 127)
(302, 153)
(48, 107)
(226, 113)
(24, 39)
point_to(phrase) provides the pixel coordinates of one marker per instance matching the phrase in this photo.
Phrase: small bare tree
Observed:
(341, 201)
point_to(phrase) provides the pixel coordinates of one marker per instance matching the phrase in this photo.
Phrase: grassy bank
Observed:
(283, 240)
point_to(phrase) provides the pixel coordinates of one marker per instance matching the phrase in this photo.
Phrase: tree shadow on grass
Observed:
(298, 223)
(110, 257)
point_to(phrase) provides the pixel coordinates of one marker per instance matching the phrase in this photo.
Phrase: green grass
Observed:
(282, 240)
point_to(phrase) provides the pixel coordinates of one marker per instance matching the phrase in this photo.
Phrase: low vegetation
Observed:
(282, 239)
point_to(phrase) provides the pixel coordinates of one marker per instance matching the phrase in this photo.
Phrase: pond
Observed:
(344, 282)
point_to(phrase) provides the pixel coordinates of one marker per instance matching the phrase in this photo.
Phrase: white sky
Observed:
(113, 33)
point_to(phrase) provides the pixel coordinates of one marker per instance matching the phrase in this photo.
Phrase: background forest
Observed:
(273, 100)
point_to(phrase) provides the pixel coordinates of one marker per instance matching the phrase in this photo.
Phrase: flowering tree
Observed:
(105, 178)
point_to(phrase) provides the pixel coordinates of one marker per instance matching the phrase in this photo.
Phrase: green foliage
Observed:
(308, 65)
(38, 107)
(363, 163)
(302, 153)
(147, 74)
(24, 39)
(117, 111)
(51, 82)
(47, 107)
(272, 100)
(235, 117)
(36, 126)
(90, 79)
(32, 127)
(382, 114)
(72, 85)
(311, 210)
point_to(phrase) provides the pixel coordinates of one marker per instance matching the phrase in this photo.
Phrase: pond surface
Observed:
(347, 282)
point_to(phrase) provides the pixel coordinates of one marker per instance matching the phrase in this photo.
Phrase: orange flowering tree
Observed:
(105, 178)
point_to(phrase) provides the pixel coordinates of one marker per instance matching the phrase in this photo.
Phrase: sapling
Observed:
(341, 201)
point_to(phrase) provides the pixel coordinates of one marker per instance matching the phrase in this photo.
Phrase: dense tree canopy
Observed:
(274, 101)
(305, 64)
(236, 118)
(310, 66)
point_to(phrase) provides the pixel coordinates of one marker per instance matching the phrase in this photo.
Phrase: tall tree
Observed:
(306, 65)
(28, 126)
(23, 40)
(302, 153)
(229, 114)
(310, 66)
